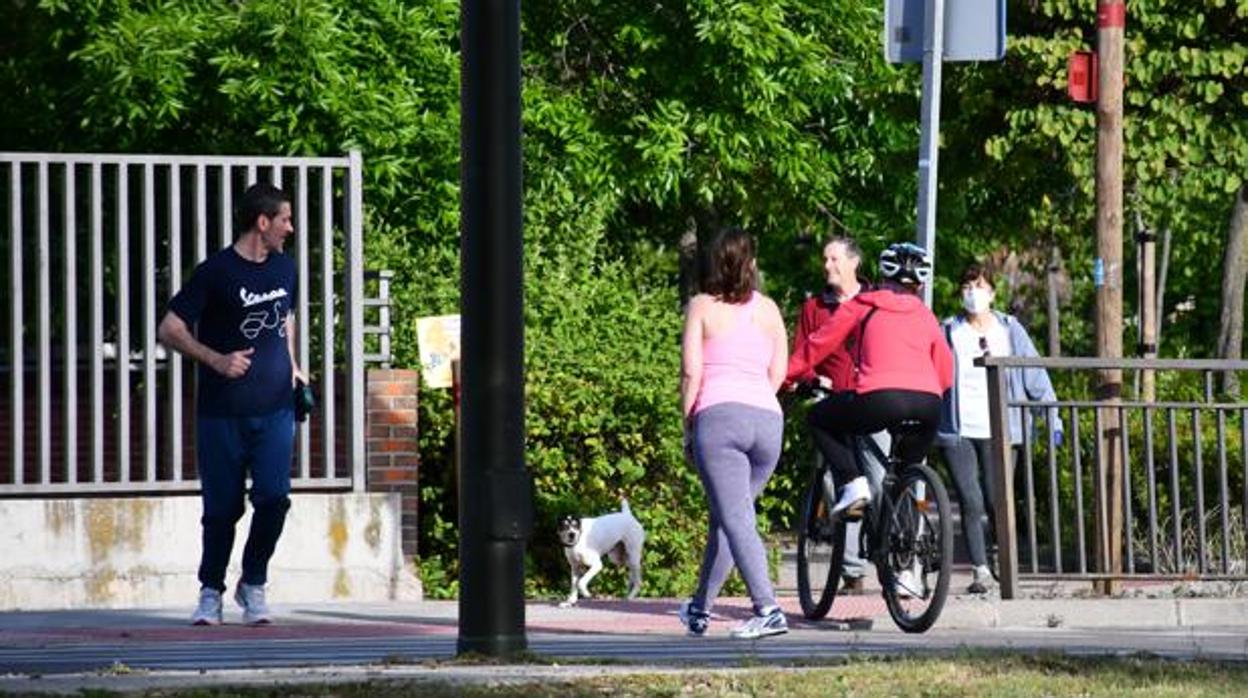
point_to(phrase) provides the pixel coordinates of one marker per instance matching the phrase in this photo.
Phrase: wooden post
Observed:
(1111, 16)
(1003, 483)
(1148, 306)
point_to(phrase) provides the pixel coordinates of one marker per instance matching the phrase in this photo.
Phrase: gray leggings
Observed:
(970, 463)
(735, 448)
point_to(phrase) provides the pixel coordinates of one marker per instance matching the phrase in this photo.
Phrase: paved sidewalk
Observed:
(600, 617)
(136, 649)
(1043, 606)
(603, 617)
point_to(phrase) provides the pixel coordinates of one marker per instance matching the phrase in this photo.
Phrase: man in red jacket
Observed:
(901, 361)
(841, 260)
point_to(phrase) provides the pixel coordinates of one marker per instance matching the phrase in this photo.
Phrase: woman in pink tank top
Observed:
(735, 351)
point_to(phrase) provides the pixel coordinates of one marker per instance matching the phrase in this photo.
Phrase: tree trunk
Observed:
(1162, 273)
(1055, 327)
(1234, 272)
(690, 267)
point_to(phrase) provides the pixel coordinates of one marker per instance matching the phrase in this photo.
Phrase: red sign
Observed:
(1081, 76)
(1111, 14)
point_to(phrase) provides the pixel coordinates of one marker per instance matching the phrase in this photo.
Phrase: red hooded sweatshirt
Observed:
(902, 347)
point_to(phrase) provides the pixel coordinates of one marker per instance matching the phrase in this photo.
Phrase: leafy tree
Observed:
(645, 123)
(1031, 153)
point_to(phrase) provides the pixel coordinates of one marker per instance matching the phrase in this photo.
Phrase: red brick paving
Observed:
(596, 617)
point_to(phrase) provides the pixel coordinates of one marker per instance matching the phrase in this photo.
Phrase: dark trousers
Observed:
(968, 461)
(229, 449)
(974, 477)
(835, 421)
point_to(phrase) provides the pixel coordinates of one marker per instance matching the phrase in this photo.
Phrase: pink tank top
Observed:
(734, 364)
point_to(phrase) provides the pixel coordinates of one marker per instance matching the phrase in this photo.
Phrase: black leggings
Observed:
(835, 421)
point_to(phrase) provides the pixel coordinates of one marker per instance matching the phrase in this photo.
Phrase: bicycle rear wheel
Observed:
(918, 562)
(820, 550)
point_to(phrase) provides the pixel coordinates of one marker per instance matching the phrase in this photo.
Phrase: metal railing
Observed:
(95, 247)
(1130, 480)
(381, 330)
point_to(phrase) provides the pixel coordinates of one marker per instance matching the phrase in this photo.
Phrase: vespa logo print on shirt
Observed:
(263, 319)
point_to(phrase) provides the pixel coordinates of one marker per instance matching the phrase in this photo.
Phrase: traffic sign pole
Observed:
(929, 138)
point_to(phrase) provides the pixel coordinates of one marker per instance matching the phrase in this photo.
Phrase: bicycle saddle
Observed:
(908, 442)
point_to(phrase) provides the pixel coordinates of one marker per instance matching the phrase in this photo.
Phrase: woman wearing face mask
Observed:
(965, 438)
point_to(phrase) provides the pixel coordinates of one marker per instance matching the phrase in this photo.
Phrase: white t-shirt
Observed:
(973, 380)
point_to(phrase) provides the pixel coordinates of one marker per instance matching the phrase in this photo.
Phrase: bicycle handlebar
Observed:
(810, 390)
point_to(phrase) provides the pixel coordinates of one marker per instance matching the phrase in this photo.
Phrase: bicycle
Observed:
(907, 532)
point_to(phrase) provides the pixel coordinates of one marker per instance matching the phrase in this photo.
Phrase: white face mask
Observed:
(976, 300)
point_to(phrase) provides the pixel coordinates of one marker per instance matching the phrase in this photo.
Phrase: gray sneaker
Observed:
(251, 598)
(770, 623)
(208, 612)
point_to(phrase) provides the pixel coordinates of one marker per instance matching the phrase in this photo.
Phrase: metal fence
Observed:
(1132, 488)
(95, 245)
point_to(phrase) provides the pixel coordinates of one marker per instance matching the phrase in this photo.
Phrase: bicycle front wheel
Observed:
(820, 547)
(918, 560)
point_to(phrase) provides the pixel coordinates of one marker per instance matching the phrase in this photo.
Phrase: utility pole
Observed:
(1111, 19)
(495, 491)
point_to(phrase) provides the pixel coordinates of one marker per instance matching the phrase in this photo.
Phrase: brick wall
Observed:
(391, 430)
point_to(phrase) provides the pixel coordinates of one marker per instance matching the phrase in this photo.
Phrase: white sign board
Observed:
(974, 30)
(438, 337)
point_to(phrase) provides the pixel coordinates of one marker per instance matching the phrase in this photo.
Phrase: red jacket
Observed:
(902, 345)
(837, 366)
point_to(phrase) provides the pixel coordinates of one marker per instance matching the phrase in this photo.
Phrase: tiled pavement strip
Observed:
(147, 648)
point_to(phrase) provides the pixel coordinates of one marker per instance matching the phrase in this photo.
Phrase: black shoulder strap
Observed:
(862, 328)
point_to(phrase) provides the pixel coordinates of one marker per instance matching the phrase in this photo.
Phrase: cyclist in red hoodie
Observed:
(902, 361)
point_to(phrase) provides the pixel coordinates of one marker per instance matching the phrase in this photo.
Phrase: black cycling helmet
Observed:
(906, 263)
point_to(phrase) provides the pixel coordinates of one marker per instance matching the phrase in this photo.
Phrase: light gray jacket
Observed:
(1030, 383)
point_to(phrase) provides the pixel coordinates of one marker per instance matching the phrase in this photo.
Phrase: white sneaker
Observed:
(770, 623)
(251, 598)
(854, 496)
(909, 583)
(208, 612)
(981, 580)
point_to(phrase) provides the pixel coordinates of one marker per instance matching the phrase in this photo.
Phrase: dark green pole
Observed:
(495, 492)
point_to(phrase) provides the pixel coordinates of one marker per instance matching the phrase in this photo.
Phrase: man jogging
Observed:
(239, 302)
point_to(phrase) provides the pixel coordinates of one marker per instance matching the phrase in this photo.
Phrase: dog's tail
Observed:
(624, 507)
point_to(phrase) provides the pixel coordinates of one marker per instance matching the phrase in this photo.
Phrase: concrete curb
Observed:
(1093, 613)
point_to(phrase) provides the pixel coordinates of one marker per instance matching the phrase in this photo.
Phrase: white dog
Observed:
(618, 536)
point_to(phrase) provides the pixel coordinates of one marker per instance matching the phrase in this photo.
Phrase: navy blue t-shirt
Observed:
(235, 303)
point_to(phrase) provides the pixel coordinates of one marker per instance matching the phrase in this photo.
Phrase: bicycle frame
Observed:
(910, 558)
(871, 452)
